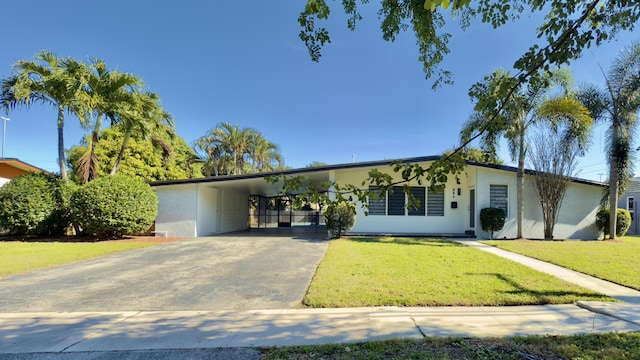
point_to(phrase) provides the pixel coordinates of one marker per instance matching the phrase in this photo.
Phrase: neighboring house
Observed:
(198, 207)
(12, 168)
(629, 201)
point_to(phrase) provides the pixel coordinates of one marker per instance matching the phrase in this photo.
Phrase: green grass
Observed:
(585, 347)
(427, 272)
(616, 261)
(17, 257)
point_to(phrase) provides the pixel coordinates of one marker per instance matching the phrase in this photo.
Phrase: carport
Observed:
(223, 204)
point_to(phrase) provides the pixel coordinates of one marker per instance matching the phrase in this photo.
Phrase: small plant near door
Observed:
(492, 219)
(340, 218)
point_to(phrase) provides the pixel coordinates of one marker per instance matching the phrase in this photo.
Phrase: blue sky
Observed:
(243, 63)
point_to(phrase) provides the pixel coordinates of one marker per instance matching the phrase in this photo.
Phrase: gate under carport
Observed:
(277, 212)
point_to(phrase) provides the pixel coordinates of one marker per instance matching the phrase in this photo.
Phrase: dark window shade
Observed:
(418, 194)
(377, 206)
(499, 197)
(396, 201)
(435, 204)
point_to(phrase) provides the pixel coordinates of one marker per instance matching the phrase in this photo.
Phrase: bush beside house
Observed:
(623, 221)
(44, 205)
(492, 219)
(113, 206)
(339, 218)
(35, 204)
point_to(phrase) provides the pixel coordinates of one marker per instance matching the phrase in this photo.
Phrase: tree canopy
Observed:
(230, 150)
(568, 27)
(165, 158)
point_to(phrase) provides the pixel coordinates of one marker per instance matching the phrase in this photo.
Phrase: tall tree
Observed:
(229, 150)
(145, 116)
(554, 161)
(529, 106)
(568, 28)
(618, 105)
(107, 93)
(265, 155)
(142, 157)
(48, 80)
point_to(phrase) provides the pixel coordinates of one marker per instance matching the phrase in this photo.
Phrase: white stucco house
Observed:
(214, 205)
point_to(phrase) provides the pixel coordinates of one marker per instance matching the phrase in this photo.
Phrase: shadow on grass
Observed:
(405, 241)
(543, 297)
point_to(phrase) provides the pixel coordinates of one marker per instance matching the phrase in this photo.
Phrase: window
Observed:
(418, 194)
(396, 201)
(377, 206)
(435, 204)
(499, 197)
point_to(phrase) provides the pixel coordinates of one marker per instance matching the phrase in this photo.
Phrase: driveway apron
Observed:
(246, 270)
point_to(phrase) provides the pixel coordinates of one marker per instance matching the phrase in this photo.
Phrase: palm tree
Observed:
(48, 80)
(145, 116)
(264, 154)
(530, 104)
(618, 104)
(226, 147)
(228, 150)
(107, 93)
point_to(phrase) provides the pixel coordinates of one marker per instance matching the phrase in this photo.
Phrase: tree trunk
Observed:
(613, 194)
(125, 141)
(520, 178)
(92, 149)
(63, 166)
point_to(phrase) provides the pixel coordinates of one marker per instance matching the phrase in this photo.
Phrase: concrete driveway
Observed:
(256, 269)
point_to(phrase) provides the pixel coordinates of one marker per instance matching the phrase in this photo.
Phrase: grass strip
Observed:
(618, 346)
(17, 257)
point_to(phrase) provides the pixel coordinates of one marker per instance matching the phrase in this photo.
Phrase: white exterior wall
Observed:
(486, 177)
(576, 219)
(454, 220)
(232, 212)
(177, 209)
(206, 221)
(199, 210)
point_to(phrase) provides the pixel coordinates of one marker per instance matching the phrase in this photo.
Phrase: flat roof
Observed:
(322, 172)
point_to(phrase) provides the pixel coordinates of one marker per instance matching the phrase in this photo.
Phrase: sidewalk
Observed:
(98, 332)
(79, 333)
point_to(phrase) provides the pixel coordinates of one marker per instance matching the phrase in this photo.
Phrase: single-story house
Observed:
(213, 205)
(629, 201)
(12, 168)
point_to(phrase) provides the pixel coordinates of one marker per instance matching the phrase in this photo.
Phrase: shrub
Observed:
(114, 206)
(339, 218)
(35, 204)
(623, 221)
(492, 219)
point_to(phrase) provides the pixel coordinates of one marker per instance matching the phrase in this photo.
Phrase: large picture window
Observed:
(499, 197)
(395, 202)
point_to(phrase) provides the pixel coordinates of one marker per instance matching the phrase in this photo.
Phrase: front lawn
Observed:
(429, 272)
(17, 257)
(616, 261)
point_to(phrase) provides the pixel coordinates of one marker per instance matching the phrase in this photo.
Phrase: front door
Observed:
(472, 208)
